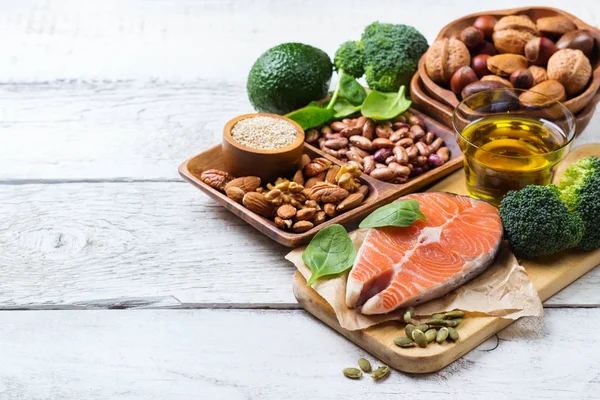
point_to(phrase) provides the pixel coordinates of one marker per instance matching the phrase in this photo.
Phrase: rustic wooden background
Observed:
(100, 101)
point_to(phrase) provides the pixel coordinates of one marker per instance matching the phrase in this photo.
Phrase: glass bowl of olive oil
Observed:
(509, 142)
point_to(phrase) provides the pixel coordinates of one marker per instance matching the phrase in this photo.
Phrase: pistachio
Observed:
(431, 334)
(442, 334)
(380, 372)
(419, 338)
(352, 373)
(409, 314)
(364, 364)
(403, 341)
(452, 334)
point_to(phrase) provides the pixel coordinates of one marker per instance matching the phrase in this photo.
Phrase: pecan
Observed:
(215, 178)
(316, 166)
(327, 193)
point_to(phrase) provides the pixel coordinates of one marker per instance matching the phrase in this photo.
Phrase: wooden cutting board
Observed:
(549, 276)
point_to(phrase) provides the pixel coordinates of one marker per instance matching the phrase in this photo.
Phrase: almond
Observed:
(332, 173)
(302, 226)
(258, 204)
(305, 214)
(350, 202)
(319, 218)
(286, 211)
(506, 64)
(246, 183)
(544, 94)
(235, 193)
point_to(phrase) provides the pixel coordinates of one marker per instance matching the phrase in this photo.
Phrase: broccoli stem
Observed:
(336, 93)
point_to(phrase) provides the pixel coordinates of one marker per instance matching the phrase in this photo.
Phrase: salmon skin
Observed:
(400, 267)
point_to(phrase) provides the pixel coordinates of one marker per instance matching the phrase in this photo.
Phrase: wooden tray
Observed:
(380, 192)
(453, 29)
(548, 276)
(443, 112)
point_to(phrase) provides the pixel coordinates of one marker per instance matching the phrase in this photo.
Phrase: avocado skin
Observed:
(288, 77)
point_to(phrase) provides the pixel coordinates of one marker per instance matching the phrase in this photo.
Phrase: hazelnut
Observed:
(512, 32)
(571, 68)
(578, 40)
(496, 78)
(444, 57)
(538, 50)
(479, 65)
(472, 37)
(554, 26)
(461, 78)
(543, 94)
(486, 48)
(522, 78)
(539, 74)
(485, 24)
(506, 64)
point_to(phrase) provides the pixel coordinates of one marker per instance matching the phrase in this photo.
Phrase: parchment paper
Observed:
(504, 290)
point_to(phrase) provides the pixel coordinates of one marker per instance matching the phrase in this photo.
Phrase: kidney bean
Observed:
(336, 143)
(326, 130)
(381, 143)
(359, 151)
(383, 174)
(360, 122)
(421, 160)
(382, 154)
(401, 179)
(338, 126)
(378, 165)
(400, 118)
(336, 153)
(435, 160)
(384, 129)
(417, 131)
(361, 142)
(401, 155)
(369, 129)
(429, 136)
(369, 164)
(412, 152)
(437, 143)
(414, 120)
(423, 149)
(416, 171)
(390, 159)
(444, 153)
(399, 125)
(350, 131)
(352, 156)
(312, 136)
(401, 170)
(406, 142)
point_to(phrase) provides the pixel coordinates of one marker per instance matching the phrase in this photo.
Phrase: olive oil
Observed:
(508, 152)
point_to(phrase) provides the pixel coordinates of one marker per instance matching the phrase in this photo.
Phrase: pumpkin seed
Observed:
(437, 322)
(364, 364)
(452, 334)
(438, 316)
(419, 338)
(431, 335)
(352, 373)
(408, 329)
(442, 334)
(455, 314)
(421, 327)
(409, 314)
(380, 372)
(403, 342)
(453, 322)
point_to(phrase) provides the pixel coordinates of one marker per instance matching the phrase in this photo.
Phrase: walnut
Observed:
(324, 192)
(246, 183)
(275, 197)
(571, 68)
(349, 182)
(351, 168)
(506, 64)
(444, 58)
(215, 178)
(511, 33)
(539, 74)
(316, 166)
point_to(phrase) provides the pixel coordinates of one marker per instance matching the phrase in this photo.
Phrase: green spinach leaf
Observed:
(343, 109)
(311, 116)
(400, 213)
(383, 106)
(330, 252)
(351, 90)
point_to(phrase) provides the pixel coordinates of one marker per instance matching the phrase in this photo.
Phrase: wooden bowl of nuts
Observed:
(541, 49)
(264, 145)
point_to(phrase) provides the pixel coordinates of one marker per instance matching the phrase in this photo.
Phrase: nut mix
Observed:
(391, 151)
(318, 190)
(530, 52)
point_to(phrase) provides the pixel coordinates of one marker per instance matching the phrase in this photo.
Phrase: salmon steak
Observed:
(400, 267)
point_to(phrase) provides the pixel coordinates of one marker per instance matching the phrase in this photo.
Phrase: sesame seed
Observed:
(264, 133)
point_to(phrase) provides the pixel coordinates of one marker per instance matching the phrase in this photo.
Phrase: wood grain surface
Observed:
(100, 101)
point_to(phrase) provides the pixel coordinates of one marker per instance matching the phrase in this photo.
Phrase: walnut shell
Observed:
(444, 57)
(539, 74)
(571, 68)
(511, 33)
(506, 64)
(550, 91)
(554, 26)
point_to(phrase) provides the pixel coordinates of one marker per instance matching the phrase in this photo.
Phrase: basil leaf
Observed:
(383, 106)
(311, 116)
(343, 109)
(400, 213)
(351, 90)
(330, 252)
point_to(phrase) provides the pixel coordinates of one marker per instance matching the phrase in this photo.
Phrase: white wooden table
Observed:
(100, 101)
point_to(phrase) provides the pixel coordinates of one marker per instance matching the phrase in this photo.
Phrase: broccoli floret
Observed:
(580, 190)
(391, 55)
(536, 221)
(350, 58)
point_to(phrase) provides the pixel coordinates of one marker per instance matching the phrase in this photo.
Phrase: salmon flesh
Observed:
(400, 267)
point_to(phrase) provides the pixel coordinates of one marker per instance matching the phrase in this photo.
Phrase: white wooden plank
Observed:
(146, 244)
(210, 354)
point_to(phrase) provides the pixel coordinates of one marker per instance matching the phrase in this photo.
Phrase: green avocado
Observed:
(287, 77)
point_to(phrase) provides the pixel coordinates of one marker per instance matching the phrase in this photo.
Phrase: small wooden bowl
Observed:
(454, 28)
(268, 165)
